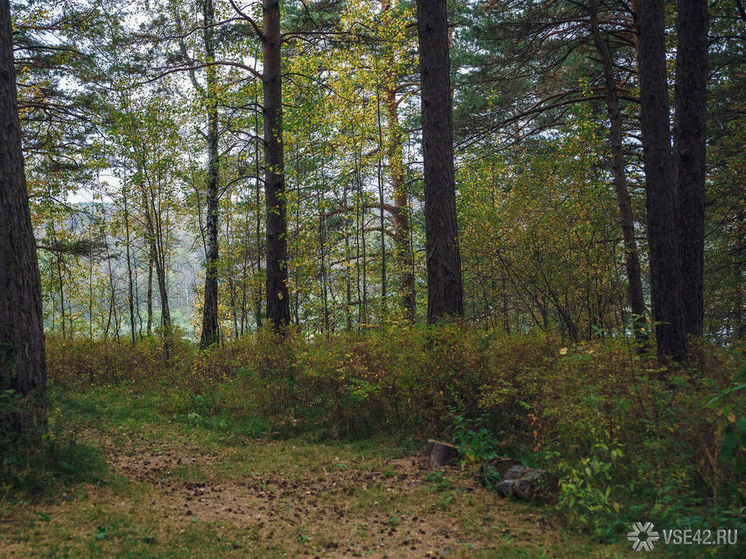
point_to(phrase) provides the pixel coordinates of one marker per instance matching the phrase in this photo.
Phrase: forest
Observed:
(388, 278)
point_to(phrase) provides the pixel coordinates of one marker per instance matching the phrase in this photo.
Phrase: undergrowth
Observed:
(629, 440)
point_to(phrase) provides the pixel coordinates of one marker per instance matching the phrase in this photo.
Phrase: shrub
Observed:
(627, 438)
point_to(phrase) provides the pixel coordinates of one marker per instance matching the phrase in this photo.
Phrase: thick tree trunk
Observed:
(22, 360)
(665, 276)
(445, 292)
(689, 147)
(631, 258)
(210, 333)
(278, 302)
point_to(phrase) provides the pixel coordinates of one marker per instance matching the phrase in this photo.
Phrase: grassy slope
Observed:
(177, 489)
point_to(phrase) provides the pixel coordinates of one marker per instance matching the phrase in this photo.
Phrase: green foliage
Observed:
(474, 439)
(728, 406)
(626, 441)
(52, 463)
(587, 490)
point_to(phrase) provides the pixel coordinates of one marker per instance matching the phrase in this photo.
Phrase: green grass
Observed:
(181, 487)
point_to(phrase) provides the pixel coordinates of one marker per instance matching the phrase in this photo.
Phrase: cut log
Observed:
(529, 484)
(499, 466)
(440, 453)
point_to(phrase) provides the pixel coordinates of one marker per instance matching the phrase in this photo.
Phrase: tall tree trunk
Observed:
(278, 302)
(360, 201)
(149, 295)
(445, 292)
(258, 215)
(58, 262)
(322, 259)
(90, 298)
(689, 134)
(22, 358)
(381, 200)
(210, 333)
(130, 286)
(348, 281)
(154, 233)
(631, 259)
(112, 291)
(739, 328)
(402, 249)
(665, 276)
(231, 270)
(160, 274)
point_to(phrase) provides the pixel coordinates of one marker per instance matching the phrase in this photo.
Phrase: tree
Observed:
(543, 60)
(22, 358)
(396, 62)
(445, 290)
(210, 332)
(616, 132)
(278, 302)
(665, 275)
(689, 134)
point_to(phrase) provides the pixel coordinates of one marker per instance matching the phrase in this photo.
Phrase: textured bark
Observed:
(665, 277)
(210, 332)
(445, 292)
(440, 453)
(631, 258)
(690, 131)
(278, 306)
(22, 360)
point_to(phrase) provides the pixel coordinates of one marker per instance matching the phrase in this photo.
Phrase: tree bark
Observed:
(210, 332)
(631, 258)
(665, 276)
(689, 134)
(278, 307)
(22, 357)
(445, 292)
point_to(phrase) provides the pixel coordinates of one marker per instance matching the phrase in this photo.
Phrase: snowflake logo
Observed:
(643, 536)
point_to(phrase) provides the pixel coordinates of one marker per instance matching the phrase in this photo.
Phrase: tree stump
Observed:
(440, 453)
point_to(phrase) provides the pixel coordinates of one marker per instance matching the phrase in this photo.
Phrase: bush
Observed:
(628, 439)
